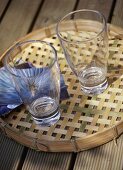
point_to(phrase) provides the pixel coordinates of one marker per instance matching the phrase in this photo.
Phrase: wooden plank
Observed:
(93, 159)
(46, 161)
(103, 6)
(10, 153)
(116, 162)
(53, 10)
(108, 156)
(3, 4)
(117, 18)
(17, 21)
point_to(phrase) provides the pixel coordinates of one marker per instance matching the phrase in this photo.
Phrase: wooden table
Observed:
(19, 17)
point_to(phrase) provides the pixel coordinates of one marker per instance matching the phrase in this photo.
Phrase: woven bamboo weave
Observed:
(86, 121)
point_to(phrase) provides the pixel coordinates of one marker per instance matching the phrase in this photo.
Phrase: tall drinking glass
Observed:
(34, 69)
(83, 37)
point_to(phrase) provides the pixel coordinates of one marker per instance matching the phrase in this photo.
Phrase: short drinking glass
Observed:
(83, 37)
(34, 69)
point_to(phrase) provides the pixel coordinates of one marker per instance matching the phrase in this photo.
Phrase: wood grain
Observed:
(3, 4)
(52, 11)
(48, 161)
(103, 6)
(10, 153)
(104, 157)
(117, 18)
(107, 156)
(17, 21)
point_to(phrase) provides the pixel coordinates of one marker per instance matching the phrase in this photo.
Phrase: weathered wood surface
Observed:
(117, 18)
(48, 161)
(10, 153)
(52, 11)
(17, 21)
(19, 18)
(3, 6)
(108, 157)
(103, 6)
(14, 24)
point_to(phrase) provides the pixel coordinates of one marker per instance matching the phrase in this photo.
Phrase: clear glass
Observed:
(35, 72)
(83, 37)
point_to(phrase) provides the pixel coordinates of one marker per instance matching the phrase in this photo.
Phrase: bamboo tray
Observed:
(85, 121)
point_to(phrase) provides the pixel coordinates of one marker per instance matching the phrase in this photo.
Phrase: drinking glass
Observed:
(83, 37)
(35, 73)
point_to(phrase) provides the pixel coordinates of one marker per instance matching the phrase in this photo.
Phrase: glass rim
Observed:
(20, 43)
(73, 12)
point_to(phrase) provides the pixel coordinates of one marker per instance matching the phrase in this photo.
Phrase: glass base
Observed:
(45, 111)
(95, 90)
(47, 121)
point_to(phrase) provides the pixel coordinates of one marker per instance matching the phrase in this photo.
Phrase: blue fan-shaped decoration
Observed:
(9, 98)
(8, 94)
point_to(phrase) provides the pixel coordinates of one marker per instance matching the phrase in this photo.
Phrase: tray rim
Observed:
(78, 144)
